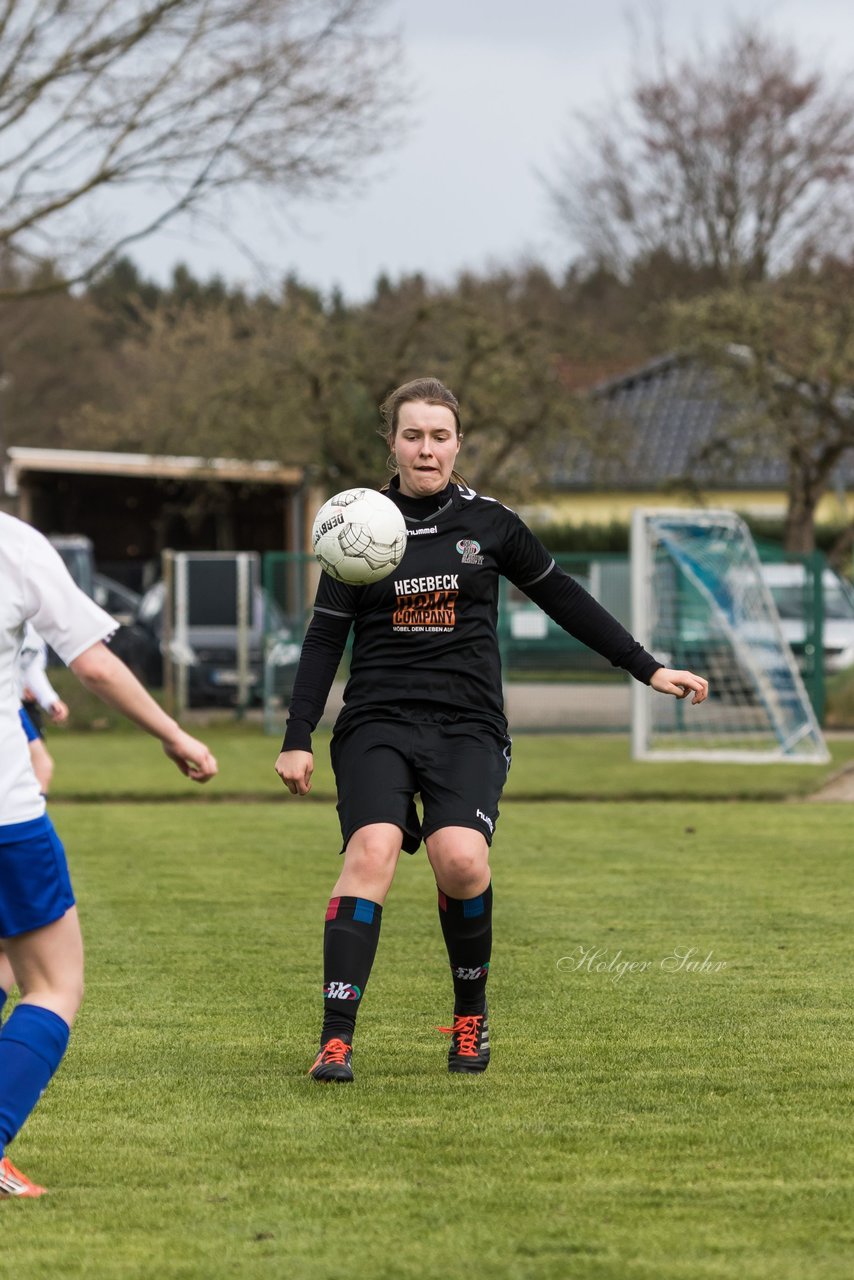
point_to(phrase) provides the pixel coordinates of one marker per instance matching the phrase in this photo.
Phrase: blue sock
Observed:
(31, 1047)
(3, 995)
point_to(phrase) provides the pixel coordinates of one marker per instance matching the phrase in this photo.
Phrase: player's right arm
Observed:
(295, 769)
(320, 656)
(109, 679)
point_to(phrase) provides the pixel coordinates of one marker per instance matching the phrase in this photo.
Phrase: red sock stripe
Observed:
(443, 901)
(332, 909)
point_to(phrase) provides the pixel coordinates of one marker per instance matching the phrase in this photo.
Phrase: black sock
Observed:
(467, 928)
(350, 940)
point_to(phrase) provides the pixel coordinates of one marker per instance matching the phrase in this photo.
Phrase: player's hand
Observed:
(191, 756)
(295, 769)
(59, 712)
(680, 684)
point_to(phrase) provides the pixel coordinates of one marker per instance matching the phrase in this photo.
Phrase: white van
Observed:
(788, 585)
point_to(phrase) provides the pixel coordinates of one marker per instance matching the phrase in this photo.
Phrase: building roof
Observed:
(671, 423)
(145, 466)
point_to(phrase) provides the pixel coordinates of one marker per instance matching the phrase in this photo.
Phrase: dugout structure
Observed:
(213, 626)
(699, 602)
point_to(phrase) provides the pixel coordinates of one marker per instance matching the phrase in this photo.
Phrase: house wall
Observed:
(608, 508)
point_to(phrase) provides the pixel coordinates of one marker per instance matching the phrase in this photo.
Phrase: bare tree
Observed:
(786, 350)
(739, 161)
(173, 104)
(299, 377)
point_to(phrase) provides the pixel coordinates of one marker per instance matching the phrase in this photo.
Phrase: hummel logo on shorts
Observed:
(487, 821)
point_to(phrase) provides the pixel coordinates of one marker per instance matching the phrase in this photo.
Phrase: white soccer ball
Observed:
(359, 536)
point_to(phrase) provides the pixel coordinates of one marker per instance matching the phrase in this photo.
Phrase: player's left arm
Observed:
(109, 679)
(681, 684)
(574, 609)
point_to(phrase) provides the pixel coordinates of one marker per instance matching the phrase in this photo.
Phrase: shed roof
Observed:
(145, 466)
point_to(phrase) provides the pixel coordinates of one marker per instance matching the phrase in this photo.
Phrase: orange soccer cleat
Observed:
(469, 1051)
(14, 1183)
(332, 1065)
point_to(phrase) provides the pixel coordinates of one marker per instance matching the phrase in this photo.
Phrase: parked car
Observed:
(788, 585)
(120, 601)
(211, 655)
(76, 551)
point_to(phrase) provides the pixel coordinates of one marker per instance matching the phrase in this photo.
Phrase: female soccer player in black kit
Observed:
(423, 713)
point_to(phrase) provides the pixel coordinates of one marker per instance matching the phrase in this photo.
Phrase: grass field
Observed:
(116, 765)
(665, 1123)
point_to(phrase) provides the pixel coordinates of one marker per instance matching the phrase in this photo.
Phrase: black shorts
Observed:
(458, 770)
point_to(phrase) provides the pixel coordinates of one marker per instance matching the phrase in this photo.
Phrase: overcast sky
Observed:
(496, 83)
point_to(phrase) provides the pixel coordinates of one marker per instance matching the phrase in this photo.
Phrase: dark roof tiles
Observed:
(668, 424)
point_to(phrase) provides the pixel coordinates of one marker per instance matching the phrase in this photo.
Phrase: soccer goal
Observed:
(699, 602)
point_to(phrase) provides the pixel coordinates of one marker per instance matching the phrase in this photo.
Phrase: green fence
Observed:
(553, 682)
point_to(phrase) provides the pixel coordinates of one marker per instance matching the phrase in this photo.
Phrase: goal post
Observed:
(700, 602)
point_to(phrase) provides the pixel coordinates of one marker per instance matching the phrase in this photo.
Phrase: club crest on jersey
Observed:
(470, 551)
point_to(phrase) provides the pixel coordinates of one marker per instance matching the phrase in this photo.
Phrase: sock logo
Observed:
(470, 975)
(341, 991)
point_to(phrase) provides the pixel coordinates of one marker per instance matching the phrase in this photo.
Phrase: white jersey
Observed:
(34, 586)
(32, 670)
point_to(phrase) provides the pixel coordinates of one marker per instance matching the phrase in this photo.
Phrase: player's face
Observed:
(425, 447)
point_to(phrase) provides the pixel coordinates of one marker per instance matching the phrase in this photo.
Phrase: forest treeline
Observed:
(709, 211)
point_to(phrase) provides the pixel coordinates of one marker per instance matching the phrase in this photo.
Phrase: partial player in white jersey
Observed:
(39, 928)
(35, 686)
(36, 691)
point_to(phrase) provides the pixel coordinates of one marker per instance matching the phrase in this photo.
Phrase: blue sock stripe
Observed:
(364, 910)
(473, 907)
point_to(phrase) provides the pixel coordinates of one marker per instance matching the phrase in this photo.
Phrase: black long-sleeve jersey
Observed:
(425, 645)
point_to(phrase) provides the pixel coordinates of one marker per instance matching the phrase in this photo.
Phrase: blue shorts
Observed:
(29, 728)
(35, 887)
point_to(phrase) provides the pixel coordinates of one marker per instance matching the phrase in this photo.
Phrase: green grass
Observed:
(840, 699)
(95, 765)
(661, 1125)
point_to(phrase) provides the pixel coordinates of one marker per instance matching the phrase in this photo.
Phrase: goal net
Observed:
(699, 602)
